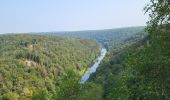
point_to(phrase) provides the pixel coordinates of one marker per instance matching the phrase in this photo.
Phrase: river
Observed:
(87, 74)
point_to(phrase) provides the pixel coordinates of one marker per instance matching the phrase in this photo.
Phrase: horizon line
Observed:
(75, 30)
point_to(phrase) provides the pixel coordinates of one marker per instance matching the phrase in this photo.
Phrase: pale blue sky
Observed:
(69, 15)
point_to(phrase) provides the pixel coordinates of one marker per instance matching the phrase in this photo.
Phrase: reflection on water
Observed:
(86, 76)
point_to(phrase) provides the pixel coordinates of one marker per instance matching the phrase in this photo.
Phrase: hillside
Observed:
(139, 71)
(104, 36)
(38, 61)
(41, 67)
(32, 63)
(50, 64)
(118, 42)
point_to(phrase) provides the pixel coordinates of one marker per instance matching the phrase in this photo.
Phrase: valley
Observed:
(32, 64)
(85, 50)
(63, 67)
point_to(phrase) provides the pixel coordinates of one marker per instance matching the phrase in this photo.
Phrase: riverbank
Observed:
(87, 74)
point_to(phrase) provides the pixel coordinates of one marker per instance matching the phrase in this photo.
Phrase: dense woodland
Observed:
(106, 36)
(42, 67)
(46, 67)
(31, 63)
(140, 71)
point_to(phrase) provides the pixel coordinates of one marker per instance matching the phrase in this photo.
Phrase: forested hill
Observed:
(32, 63)
(104, 36)
(141, 70)
(49, 66)
(138, 71)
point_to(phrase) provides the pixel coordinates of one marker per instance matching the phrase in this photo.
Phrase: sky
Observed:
(19, 16)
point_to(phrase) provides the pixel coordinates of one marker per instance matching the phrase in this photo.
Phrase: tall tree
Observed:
(159, 13)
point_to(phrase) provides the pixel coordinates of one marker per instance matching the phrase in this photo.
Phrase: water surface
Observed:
(87, 74)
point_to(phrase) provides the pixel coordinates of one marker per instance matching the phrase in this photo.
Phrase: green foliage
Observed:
(142, 72)
(105, 36)
(70, 87)
(150, 69)
(139, 73)
(33, 65)
(111, 72)
(91, 91)
(40, 95)
(159, 13)
(49, 68)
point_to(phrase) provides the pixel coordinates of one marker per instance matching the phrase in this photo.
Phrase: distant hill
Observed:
(103, 36)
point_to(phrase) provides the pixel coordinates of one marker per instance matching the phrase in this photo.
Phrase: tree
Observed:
(159, 13)
(40, 95)
(69, 88)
